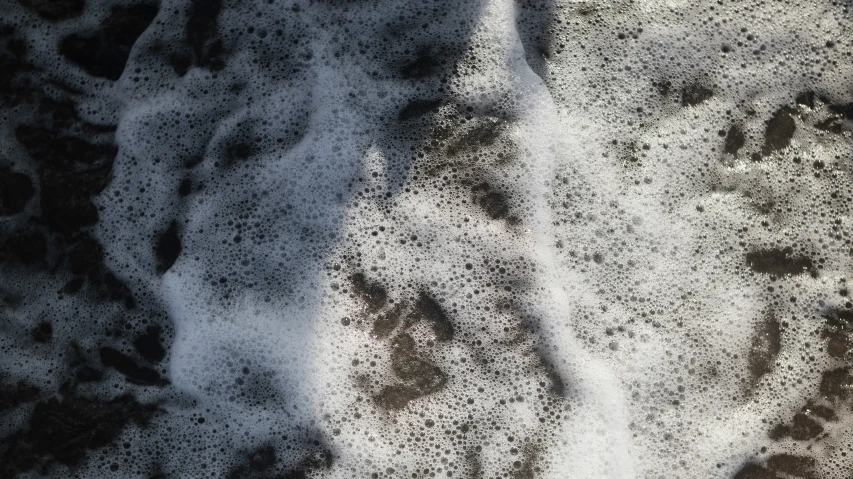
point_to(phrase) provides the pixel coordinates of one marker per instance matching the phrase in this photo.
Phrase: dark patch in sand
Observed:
(418, 108)
(149, 345)
(55, 9)
(694, 94)
(766, 345)
(373, 294)
(124, 364)
(167, 248)
(65, 430)
(778, 262)
(734, 140)
(16, 189)
(780, 129)
(104, 53)
(428, 309)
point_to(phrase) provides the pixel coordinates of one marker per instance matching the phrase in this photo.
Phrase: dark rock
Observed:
(836, 123)
(104, 53)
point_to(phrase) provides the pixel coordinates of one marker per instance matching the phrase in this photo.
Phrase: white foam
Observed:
(603, 312)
